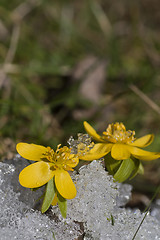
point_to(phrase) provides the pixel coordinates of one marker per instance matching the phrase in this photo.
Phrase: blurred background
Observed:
(63, 62)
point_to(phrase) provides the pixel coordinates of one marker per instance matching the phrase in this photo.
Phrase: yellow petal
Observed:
(92, 132)
(73, 162)
(144, 155)
(143, 141)
(120, 151)
(99, 150)
(31, 151)
(55, 200)
(36, 175)
(64, 184)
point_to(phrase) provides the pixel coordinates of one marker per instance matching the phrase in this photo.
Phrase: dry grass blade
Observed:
(23, 9)
(145, 98)
(101, 17)
(66, 23)
(13, 44)
(17, 15)
(147, 209)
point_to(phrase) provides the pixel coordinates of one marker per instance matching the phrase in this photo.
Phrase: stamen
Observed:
(61, 158)
(116, 132)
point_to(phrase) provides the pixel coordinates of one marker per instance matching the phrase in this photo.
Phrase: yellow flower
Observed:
(49, 164)
(121, 143)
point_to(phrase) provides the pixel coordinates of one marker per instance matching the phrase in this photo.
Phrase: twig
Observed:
(145, 98)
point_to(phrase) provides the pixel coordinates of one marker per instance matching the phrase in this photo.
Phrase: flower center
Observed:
(116, 132)
(62, 158)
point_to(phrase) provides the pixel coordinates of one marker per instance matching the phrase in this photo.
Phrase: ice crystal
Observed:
(81, 145)
(18, 219)
(156, 209)
(95, 209)
(96, 206)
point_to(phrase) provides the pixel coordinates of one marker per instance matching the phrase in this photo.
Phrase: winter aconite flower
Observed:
(121, 144)
(51, 169)
(49, 164)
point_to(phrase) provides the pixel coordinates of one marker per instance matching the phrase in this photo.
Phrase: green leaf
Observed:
(111, 164)
(54, 236)
(137, 165)
(126, 168)
(141, 169)
(49, 195)
(112, 220)
(62, 203)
